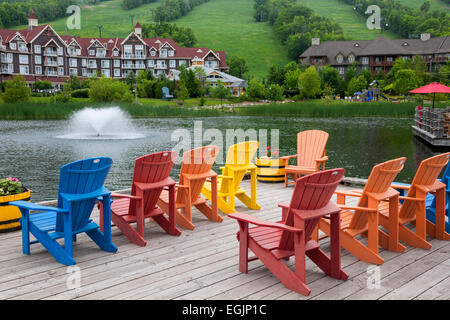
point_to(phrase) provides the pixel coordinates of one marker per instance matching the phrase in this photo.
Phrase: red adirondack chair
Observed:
(274, 242)
(151, 176)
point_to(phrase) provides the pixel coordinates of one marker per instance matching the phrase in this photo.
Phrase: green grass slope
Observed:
(116, 21)
(435, 4)
(354, 26)
(229, 25)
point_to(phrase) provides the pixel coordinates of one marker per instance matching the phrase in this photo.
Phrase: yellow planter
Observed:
(270, 170)
(10, 215)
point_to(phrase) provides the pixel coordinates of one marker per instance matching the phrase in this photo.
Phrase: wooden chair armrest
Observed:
(356, 208)
(348, 193)
(125, 196)
(193, 177)
(150, 186)
(400, 186)
(323, 159)
(283, 205)
(412, 199)
(259, 222)
(225, 177)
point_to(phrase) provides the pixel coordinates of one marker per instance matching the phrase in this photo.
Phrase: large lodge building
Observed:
(378, 54)
(39, 53)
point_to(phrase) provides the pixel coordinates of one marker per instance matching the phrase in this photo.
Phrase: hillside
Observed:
(435, 4)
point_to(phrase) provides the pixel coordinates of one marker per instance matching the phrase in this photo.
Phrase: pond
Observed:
(33, 150)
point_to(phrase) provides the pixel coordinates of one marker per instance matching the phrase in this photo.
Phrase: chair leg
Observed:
(128, 231)
(25, 231)
(412, 239)
(99, 238)
(243, 247)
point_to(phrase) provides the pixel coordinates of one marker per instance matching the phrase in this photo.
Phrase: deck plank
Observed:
(203, 264)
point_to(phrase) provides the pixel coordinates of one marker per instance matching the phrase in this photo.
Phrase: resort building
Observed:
(378, 54)
(213, 76)
(39, 53)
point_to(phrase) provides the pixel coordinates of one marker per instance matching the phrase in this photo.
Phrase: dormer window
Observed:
(405, 44)
(153, 53)
(13, 46)
(92, 52)
(116, 53)
(340, 58)
(163, 53)
(171, 53)
(351, 58)
(356, 44)
(22, 47)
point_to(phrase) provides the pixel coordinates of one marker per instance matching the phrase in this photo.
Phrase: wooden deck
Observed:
(203, 264)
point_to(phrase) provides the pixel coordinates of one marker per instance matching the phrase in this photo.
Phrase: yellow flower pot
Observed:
(10, 215)
(270, 170)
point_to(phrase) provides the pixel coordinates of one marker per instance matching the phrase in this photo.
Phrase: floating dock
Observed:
(432, 125)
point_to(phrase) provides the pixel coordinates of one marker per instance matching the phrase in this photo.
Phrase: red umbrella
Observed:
(434, 87)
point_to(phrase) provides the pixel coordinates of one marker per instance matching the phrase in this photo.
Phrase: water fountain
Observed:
(101, 124)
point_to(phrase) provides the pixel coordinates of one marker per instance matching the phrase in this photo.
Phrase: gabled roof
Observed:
(32, 15)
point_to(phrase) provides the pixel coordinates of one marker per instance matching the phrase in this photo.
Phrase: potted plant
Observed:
(270, 168)
(11, 189)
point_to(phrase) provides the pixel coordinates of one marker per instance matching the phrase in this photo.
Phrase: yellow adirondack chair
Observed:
(413, 209)
(237, 164)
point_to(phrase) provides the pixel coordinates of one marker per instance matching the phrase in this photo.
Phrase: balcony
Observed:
(140, 66)
(163, 66)
(51, 73)
(128, 66)
(6, 60)
(50, 53)
(8, 70)
(51, 63)
(92, 66)
(127, 55)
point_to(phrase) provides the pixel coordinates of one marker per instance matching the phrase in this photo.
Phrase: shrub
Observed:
(17, 90)
(275, 93)
(80, 93)
(256, 90)
(109, 90)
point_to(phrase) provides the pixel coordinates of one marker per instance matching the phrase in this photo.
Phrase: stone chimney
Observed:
(32, 21)
(425, 36)
(138, 29)
(315, 41)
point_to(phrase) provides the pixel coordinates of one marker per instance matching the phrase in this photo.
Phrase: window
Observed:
(91, 52)
(60, 61)
(73, 62)
(116, 53)
(78, 52)
(365, 60)
(73, 71)
(37, 60)
(172, 63)
(171, 53)
(84, 62)
(153, 53)
(22, 47)
(116, 72)
(340, 59)
(38, 70)
(117, 63)
(61, 71)
(84, 72)
(101, 53)
(161, 63)
(106, 73)
(351, 58)
(390, 59)
(60, 51)
(24, 70)
(163, 53)
(105, 63)
(23, 59)
(37, 48)
(182, 62)
(151, 63)
(13, 46)
(128, 51)
(341, 70)
(211, 64)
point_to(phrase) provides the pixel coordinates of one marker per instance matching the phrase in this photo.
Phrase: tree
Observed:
(420, 68)
(221, 92)
(109, 90)
(291, 82)
(238, 66)
(309, 83)
(182, 92)
(274, 92)
(276, 75)
(405, 81)
(256, 90)
(17, 90)
(329, 76)
(357, 84)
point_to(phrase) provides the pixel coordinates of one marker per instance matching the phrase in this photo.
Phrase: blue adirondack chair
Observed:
(166, 94)
(80, 187)
(431, 199)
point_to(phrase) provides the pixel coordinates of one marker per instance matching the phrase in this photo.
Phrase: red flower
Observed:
(268, 148)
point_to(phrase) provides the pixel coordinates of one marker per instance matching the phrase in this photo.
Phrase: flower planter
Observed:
(270, 170)
(10, 215)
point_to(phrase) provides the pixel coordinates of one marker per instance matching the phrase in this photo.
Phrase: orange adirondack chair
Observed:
(151, 176)
(311, 154)
(363, 219)
(274, 242)
(413, 209)
(195, 170)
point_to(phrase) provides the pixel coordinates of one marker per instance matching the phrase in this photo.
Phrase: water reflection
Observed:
(30, 151)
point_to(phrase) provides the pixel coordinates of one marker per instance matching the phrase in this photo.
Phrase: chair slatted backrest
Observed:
(311, 192)
(310, 147)
(426, 175)
(196, 162)
(240, 157)
(151, 168)
(379, 182)
(81, 177)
